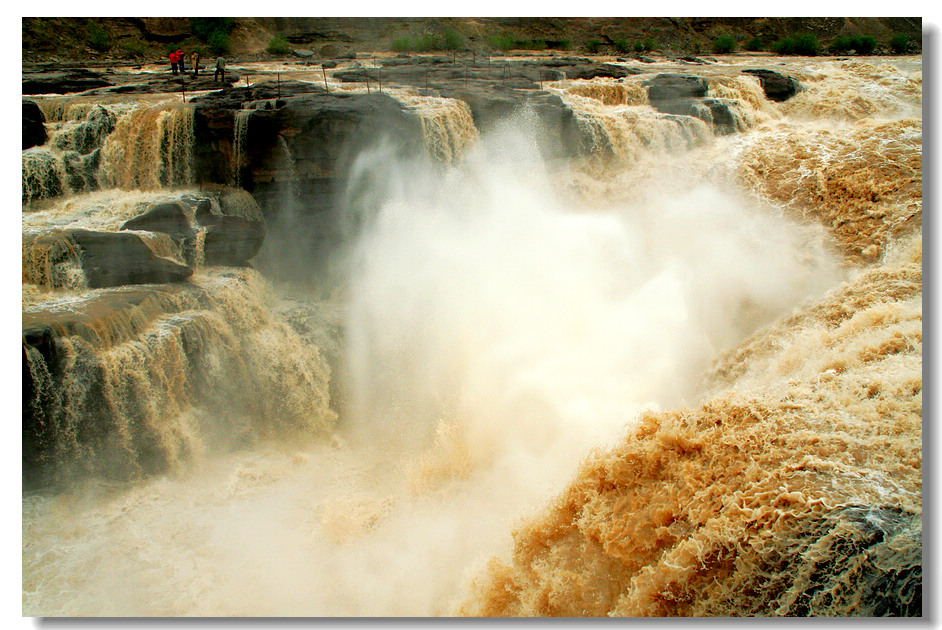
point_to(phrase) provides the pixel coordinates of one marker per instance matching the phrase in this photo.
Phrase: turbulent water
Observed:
(679, 376)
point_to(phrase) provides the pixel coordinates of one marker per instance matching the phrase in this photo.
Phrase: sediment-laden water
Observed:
(681, 375)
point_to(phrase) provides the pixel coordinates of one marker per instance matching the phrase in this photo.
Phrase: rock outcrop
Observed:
(169, 217)
(62, 81)
(686, 95)
(149, 317)
(777, 87)
(117, 258)
(163, 244)
(34, 131)
(296, 135)
(669, 87)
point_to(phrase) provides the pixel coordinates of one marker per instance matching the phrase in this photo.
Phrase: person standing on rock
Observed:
(181, 59)
(195, 59)
(220, 69)
(173, 62)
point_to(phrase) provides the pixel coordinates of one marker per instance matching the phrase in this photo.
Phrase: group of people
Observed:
(178, 64)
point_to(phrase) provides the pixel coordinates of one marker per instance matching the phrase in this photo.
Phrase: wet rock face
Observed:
(117, 258)
(686, 95)
(669, 87)
(143, 272)
(716, 112)
(169, 218)
(163, 244)
(34, 132)
(489, 104)
(236, 235)
(295, 133)
(777, 87)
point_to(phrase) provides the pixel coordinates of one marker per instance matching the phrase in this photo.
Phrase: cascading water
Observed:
(150, 148)
(664, 379)
(241, 127)
(447, 126)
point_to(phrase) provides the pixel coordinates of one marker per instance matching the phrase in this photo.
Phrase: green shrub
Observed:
(402, 44)
(755, 44)
(453, 40)
(564, 44)
(98, 38)
(899, 44)
(593, 45)
(204, 27)
(645, 45)
(860, 45)
(213, 31)
(840, 45)
(865, 45)
(501, 42)
(724, 44)
(621, 45)
(278, 46)
(218, 43)
(428, 41)
(133, 48)
(508, 42)
(806, 44)
(784, 46)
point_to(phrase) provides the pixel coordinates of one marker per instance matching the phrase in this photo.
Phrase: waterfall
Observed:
(151, 147)
(447, 126)
(240, 130)
(622, 126)
(675, 372)
(69, 161)
(149, 379)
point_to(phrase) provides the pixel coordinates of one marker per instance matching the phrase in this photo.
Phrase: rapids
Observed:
(679, 375)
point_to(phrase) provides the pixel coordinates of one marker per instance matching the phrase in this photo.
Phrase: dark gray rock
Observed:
(685, 95)
(667, 87)
(722, 117)
(716, 112)
(777, 87)
(116, 258)
(444, 73)
(63, 81)
(170, 84)
(34, 131)
(235, 235)
(595, 71)
(169, 218)
(233, 241)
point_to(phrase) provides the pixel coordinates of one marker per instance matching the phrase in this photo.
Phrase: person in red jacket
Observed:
(173, 62)
(181, 60)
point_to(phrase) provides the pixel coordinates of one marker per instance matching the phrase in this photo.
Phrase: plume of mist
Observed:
(482, 296)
